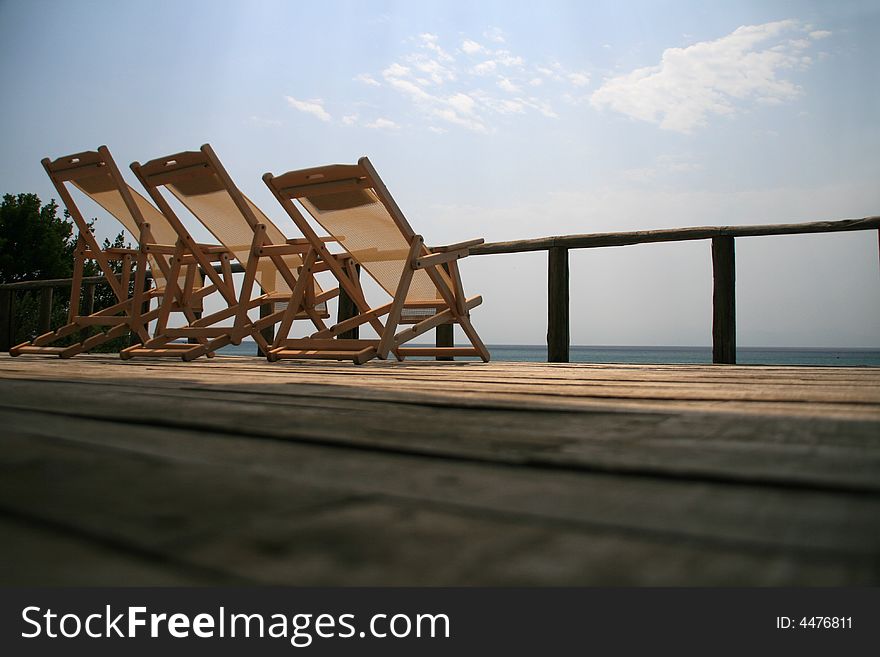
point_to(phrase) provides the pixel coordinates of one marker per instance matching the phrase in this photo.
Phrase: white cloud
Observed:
(451, 116)
(508, 106)
(436, 130)
(579, 79)
(820, 34)
(395, 75)
(461, 103)
(429, 42)
(471, 47)
(315, 107)
(382, 124)
(437, 73)
(457, 108)
(368, 80)
(485, 80)
(395, 70)
(506, 85)
(434, 67)
(710, 78)
(541, 106)
(548, 73)
(485, 68)
(494, 34)
(349, 119)
(505, 58)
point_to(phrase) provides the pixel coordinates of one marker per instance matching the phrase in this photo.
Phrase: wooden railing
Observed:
(557, 248)
(723, 270)
(46, 289)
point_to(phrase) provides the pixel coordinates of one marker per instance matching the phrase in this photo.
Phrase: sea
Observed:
(664, 355)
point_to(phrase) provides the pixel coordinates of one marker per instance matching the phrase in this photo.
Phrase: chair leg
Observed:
(472, 335)
(386, 340)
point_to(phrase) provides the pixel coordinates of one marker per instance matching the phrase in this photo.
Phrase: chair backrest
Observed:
(352, 204)
(200, 182)
(96, 175)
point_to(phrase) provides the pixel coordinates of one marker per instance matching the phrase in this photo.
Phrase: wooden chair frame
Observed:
(131, 312)
(189, 165)
(439, 263)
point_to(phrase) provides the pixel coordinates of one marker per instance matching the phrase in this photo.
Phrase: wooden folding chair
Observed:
(351, 203)
(271, 262)
(95, 174)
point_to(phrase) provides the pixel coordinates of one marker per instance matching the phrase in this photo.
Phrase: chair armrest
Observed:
(166, 249)
(212, 248)
(456, 247)
(282, 249)
(441, 254)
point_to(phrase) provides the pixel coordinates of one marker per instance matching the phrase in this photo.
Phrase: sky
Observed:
(507, 120)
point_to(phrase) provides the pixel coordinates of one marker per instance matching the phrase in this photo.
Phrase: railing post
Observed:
(6, 331)
(268, 333)
(445, 337)
(45, 317)
(557, 305)
(133, 338)
(90, 299)
(723, 301)
(444, 334)
(89, 292)
(346, 309)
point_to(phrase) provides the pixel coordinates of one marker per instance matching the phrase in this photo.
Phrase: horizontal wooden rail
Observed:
(595, 240)
(21, 286)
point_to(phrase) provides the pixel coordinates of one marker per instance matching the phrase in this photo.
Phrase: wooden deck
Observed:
(236, 471)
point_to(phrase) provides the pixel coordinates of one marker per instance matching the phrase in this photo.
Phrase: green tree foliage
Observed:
(36, 244)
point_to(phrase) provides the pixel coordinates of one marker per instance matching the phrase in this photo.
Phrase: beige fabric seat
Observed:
(95, 174)
(271, 262)
(352, 204)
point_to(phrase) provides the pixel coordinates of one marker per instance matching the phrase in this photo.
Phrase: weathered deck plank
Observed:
(239, 471)
(783, 451)
(808, 391)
